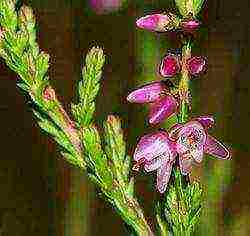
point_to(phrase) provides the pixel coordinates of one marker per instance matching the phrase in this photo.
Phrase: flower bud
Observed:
(105, 6)
(147, 93)
(190, 25)
(170, 66)
(196, 65)
(158, 22)
(162, 109)
(49, 94)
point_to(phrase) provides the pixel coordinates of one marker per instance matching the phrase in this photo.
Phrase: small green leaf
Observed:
(96, 157)
(8, 16)
(115, 147)
(42, 65)
(130, 188)
(27, 24)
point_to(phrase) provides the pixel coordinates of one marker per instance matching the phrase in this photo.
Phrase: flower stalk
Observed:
(184, 92)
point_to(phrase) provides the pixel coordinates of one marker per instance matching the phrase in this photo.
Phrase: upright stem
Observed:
(184, 84)
(182, 118)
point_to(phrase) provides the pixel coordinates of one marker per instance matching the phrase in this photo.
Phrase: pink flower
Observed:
(196, 65)
(158, 22)
(192, 141)
(162, 104)
(190, 25)
(105, 6)
(171, 65)
(156, 152)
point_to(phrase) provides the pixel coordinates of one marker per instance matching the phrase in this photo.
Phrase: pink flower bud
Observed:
(190, 25)
(105, 6)
(158, 22)
(162, 104)
(162, 109)
(170, 65)
(196, 65)
(49, 93)
(147, 93)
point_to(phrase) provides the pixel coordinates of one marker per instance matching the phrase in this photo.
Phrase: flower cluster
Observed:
(158, 150)
(188, 141)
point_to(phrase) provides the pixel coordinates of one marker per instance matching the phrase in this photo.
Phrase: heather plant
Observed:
(170, 151)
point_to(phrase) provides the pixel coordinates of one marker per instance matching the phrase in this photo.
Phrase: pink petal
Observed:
(185, 162)
(215, 148)
(196, 65)
(174, 131)
(206, 121)
(162, 109)
(163, 175)
(155, 164)
(155, 22)
(197, 154)
(190, 25)
(152, 146)
(170, 65)
(147, 93)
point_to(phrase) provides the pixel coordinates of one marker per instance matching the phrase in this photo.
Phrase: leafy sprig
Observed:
(88, 88)
(105, 159)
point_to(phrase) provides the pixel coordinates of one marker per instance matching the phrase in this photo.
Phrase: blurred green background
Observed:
(43, 195)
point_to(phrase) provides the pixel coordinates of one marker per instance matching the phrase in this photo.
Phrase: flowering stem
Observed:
(184, 84)
(182, 118)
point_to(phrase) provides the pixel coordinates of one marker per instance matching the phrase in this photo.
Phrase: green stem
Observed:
(182, 118)
(132, 213)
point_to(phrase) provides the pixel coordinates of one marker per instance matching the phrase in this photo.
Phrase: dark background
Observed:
(37, 187)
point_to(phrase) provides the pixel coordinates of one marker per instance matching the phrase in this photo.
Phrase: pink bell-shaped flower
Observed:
(190, 25)
(170, 65)
(196, 65)
(156, 152)
(192, 141)
(158, 22)
(162, 104)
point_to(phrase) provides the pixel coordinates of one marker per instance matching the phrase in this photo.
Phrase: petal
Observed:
(162, 109)
(158, 22)
(190, 25)
(185, 162)
(147, 93)
(156, 163)
(197, 154)
(174, 131)
(152, 145)
(170, 65)
(206, 121)
(215, 148)
(163, 175)
(196, 65)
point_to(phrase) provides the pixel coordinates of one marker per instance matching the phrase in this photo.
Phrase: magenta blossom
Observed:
(156, 152)
(162, 104)
(196, 65)
(192, 141)
(105, 6)
(158, 22)
(171, 65)
(190, 25)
